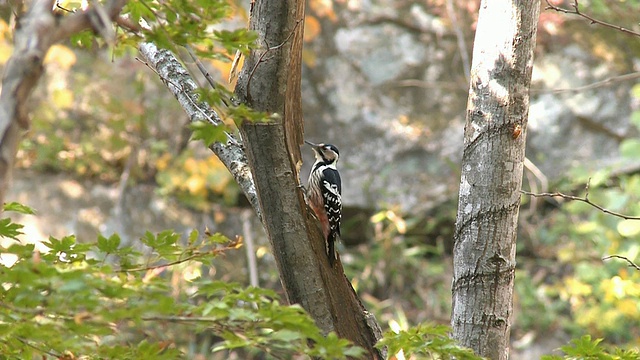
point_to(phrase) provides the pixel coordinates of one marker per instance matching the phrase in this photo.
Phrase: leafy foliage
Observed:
(580, 292)
(104, 300)
(426, 340)
(586, 348)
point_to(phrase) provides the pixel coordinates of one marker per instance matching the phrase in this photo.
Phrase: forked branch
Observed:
(584, 199)
(592, 20)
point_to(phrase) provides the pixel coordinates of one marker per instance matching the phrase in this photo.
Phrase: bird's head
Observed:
(326, 153)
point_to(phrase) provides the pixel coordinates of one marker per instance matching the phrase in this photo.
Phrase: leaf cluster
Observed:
(426, 340)
(588, 348)
(103, 299)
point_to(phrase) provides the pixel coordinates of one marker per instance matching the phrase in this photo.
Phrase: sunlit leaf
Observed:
(63, 98)
(630, 148)
(629, 228)
(19, 208)
(312, 28)
(61, 55)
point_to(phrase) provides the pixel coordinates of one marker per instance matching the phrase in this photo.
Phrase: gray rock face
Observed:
(388, 88)
(576, 128)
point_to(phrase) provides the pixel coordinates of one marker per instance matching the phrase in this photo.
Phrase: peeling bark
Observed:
(270, 82)
(494, 152)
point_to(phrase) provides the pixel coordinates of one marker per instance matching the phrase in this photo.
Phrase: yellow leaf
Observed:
(61, 55)
(323, 8)
(309, 57)
(577, 287)
(628, 228)
(163, 162)
(196, 185)
(628, 307)
(311, 28)
(5, 30)
(63, 98)
(5, 52)
(190, 165)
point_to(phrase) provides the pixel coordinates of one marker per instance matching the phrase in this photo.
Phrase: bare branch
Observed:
(631, 263)
(602, 83)
(196, 255)
(201, 67)
(462, 44)
(183, 87)
(46, 352)
(92, 18)
(584, 199)
(576, 11)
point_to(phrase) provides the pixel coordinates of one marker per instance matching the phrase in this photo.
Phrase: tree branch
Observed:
(584, 199)
(602, 83)
(183, 87)
(631, 263)
(576, 11)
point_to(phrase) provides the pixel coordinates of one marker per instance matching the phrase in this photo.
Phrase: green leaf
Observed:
(19, 208)
(9, 229)
(630, 148)
(218, 238)
(110, 244)
(635, 116)
(193, 237)
(285, 335)
(208, 133)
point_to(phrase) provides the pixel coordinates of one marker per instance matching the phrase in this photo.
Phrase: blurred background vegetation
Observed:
(105, 120)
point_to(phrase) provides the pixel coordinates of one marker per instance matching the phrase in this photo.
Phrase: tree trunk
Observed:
(494, 151)
(36, 32)
(270, 82)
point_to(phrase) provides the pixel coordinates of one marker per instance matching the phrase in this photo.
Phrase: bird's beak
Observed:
(314, 146)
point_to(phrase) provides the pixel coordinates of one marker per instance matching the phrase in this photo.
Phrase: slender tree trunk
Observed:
(494, 151)
(270, 82)
(36, 32)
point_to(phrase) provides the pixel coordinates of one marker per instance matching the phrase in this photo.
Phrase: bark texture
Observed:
(183, 87)
(270, 82)
(494, 152)
(37, 30)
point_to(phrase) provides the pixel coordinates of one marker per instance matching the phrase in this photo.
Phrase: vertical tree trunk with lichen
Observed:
(270, 82)
(492, 164)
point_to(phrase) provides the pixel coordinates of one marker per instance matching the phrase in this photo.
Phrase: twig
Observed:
(204, 72)
(196, 255)
(201, 67)
(631, 263)
(462, 45)
(597, 84)
(534, 171)
(576, 11)
(251, 253)
(584, 199)
(29, 344)
(172, 263)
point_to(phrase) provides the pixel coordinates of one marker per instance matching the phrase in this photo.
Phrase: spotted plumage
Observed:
(324, 193)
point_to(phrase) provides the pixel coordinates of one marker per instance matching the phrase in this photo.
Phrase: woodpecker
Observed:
(324, 194)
